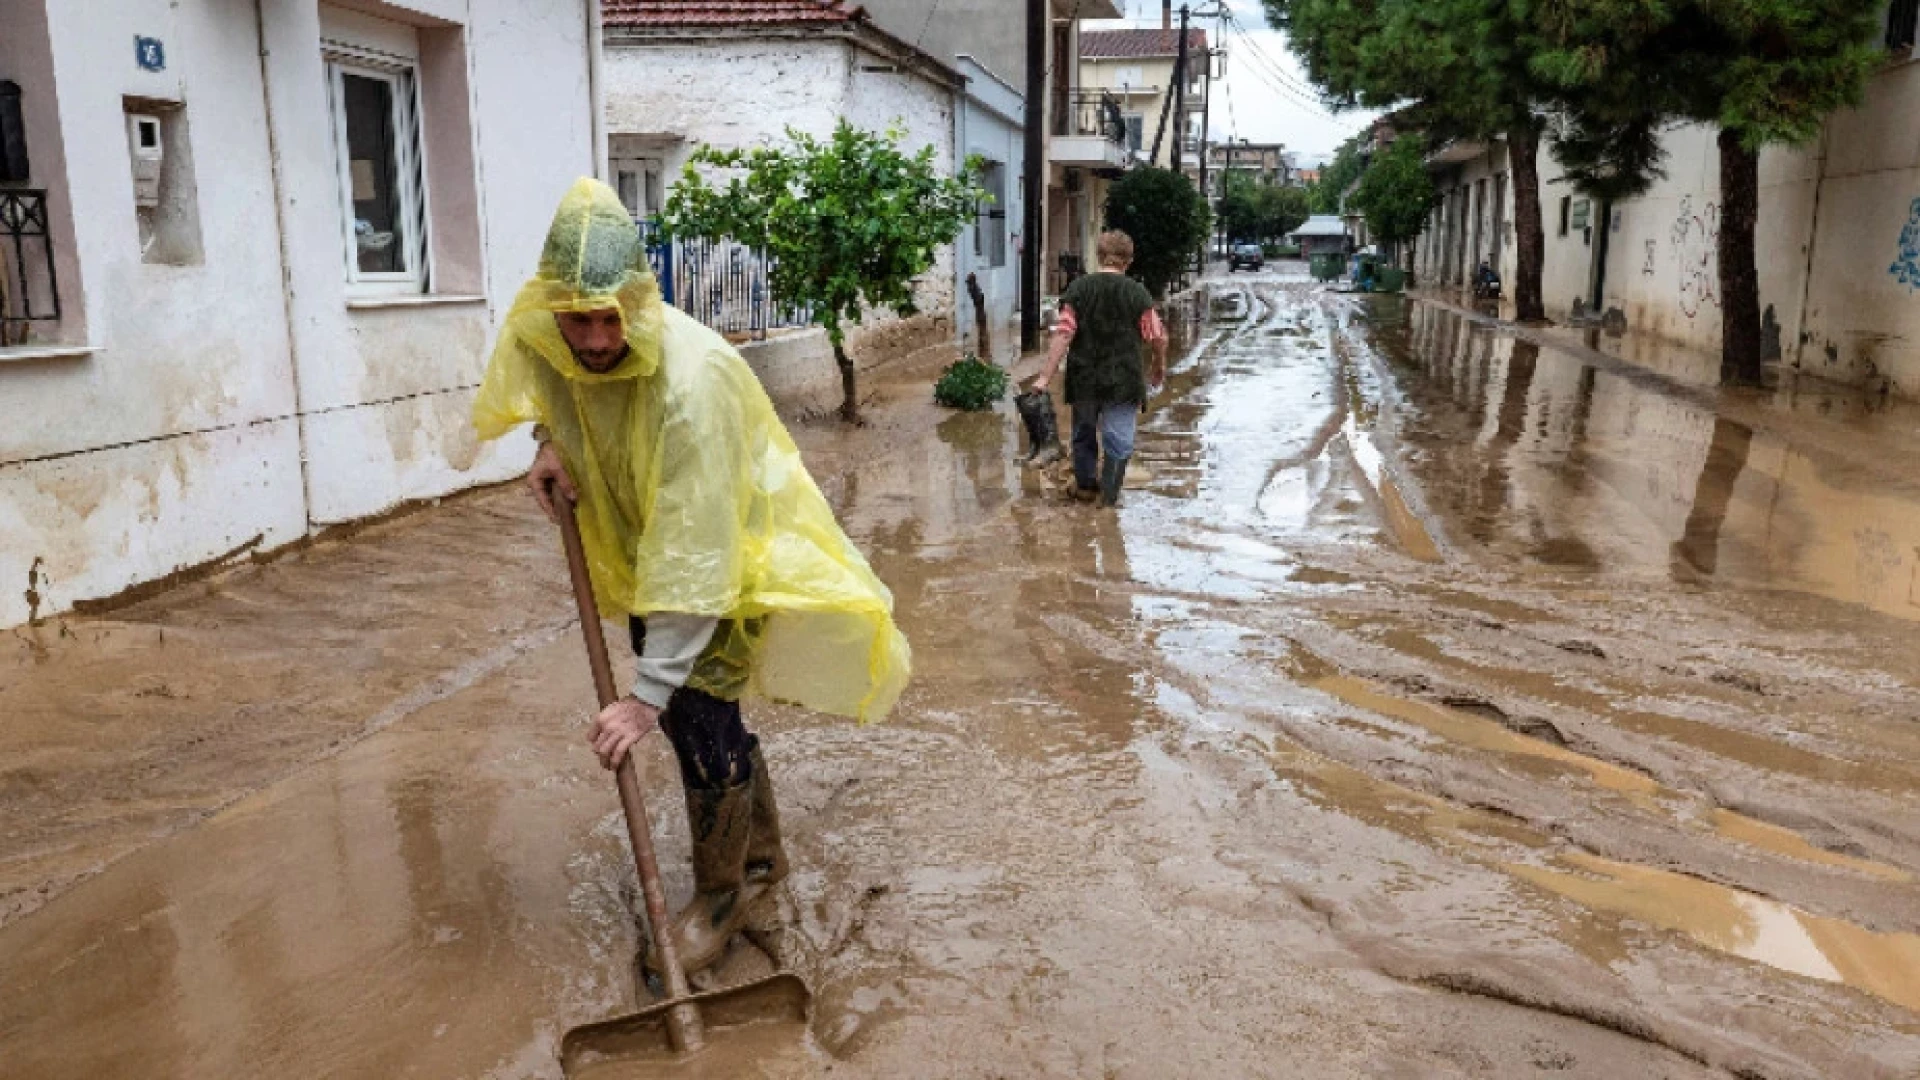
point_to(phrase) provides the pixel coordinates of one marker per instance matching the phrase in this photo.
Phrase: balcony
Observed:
(1088, 130)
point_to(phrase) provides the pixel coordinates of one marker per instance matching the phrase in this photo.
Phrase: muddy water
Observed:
(1380, 733)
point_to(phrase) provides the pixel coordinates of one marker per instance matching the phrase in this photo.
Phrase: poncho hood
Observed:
(594, 259)
(693, 497)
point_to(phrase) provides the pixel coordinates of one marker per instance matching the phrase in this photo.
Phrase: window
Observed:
(638, 180)
(990, 215)
(1566, 213)
(377, 146)
(1902, 18)
(1129, 76)
(1136, 131)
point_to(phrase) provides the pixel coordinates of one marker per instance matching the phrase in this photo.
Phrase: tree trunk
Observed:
(1530, 240)
(1739, 273)
(849, 399)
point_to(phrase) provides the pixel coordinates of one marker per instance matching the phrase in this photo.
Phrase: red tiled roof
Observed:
(722, 13)
(1132, 44)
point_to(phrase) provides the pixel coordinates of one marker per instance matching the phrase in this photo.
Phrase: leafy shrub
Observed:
(970, 383)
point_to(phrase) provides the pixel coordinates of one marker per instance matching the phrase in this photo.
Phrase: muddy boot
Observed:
(1043, 427)
(1113, 477)
(766, 867)
(722, 823)
(766, 858)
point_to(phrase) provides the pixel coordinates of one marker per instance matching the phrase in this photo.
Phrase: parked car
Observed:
(1247, 256)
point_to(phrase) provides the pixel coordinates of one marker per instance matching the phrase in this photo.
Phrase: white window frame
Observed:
(403, 76)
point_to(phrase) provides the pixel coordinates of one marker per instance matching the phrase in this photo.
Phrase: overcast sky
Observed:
(1265, 97)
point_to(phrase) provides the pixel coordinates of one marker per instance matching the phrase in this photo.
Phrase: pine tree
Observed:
(1766, 72)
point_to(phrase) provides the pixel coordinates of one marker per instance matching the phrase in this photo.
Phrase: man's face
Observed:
(597, 338)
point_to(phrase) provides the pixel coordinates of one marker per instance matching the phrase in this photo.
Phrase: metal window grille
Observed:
(1903, 18)
(725, 285)
(29, 289)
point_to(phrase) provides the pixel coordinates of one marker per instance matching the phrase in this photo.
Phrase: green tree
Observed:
(1766, 72)
(1239, 206)
(1280, 210)
(1470, 68)
(1335, 177)
(1166, 217)
(849, 221)
(1395, 192)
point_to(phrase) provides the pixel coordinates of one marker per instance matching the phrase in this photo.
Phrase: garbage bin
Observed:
(1325, 266)
(1389, 279)
(1365, 272)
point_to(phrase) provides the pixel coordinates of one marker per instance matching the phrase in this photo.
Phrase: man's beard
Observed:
(612, 360)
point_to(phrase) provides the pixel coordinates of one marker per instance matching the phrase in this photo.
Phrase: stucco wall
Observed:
(205, 421)
(1838, 244)
(989, 126)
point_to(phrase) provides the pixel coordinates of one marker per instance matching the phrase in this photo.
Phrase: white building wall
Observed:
(730, 94)
(204, 422)
(989, 126)
(733, 93)
(1838, 244)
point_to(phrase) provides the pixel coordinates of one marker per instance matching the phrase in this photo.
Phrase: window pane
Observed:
(373, 169)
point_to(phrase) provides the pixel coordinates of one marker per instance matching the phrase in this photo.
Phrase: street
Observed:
(1442, 700)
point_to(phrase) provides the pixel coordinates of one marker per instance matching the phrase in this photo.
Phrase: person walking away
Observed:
(702, 526)
(1105, 320)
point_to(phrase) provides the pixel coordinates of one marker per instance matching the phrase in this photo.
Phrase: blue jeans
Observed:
(1095, 426)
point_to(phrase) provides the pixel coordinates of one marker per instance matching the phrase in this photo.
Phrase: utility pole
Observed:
(1033, 184)
(1180, 96)
(1206, 114)
(1171, 103)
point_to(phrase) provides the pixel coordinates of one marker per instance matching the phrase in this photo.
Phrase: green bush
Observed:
(970, 383)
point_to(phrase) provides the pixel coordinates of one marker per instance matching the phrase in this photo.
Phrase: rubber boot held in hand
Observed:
(1043, 427)
(1113, 477)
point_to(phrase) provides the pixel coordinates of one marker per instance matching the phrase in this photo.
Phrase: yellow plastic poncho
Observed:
(693, 497)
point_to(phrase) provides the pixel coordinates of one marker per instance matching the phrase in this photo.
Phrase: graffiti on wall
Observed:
(1906, 259)
(1696, 245)
(1646, 267)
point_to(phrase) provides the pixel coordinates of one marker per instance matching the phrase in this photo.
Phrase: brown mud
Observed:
(1443, 703)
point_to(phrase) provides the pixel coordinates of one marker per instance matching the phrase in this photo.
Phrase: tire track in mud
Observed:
(1747, 840)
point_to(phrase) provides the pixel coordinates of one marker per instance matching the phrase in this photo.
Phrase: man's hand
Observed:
(619, 727)
(549, 473)
(1157, 377)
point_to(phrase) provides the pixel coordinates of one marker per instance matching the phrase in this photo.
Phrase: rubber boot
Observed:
(1113, 476)
(766, 864)
(1043, 427)
(766, 867)
(722, 824)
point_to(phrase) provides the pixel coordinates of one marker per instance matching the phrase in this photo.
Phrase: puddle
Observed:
(1478, 733)
(1536, 453)
(1723, 919)
(1739, 923)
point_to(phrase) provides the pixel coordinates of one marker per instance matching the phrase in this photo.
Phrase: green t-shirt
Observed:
(1104, 363)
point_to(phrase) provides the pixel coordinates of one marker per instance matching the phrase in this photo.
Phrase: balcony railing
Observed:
(1089, 113)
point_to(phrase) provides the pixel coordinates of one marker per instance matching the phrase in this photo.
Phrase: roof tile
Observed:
(1138, 44)
(724, 13)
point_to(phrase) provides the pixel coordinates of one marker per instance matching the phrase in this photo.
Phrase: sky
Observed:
(1265, 96)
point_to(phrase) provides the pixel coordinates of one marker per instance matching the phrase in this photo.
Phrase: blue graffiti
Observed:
(1906, 264)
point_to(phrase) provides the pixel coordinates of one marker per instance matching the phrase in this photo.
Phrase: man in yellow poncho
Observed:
(702, 526)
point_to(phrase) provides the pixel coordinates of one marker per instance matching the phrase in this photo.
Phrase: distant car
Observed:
(1247, 256)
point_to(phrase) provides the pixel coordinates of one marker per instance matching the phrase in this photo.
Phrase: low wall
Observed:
(797, 367)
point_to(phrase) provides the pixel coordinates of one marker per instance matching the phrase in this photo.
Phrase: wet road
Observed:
(1440, 703)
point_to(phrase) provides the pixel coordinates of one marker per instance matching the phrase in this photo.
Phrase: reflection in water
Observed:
(1699, 542)
(1537, 453)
